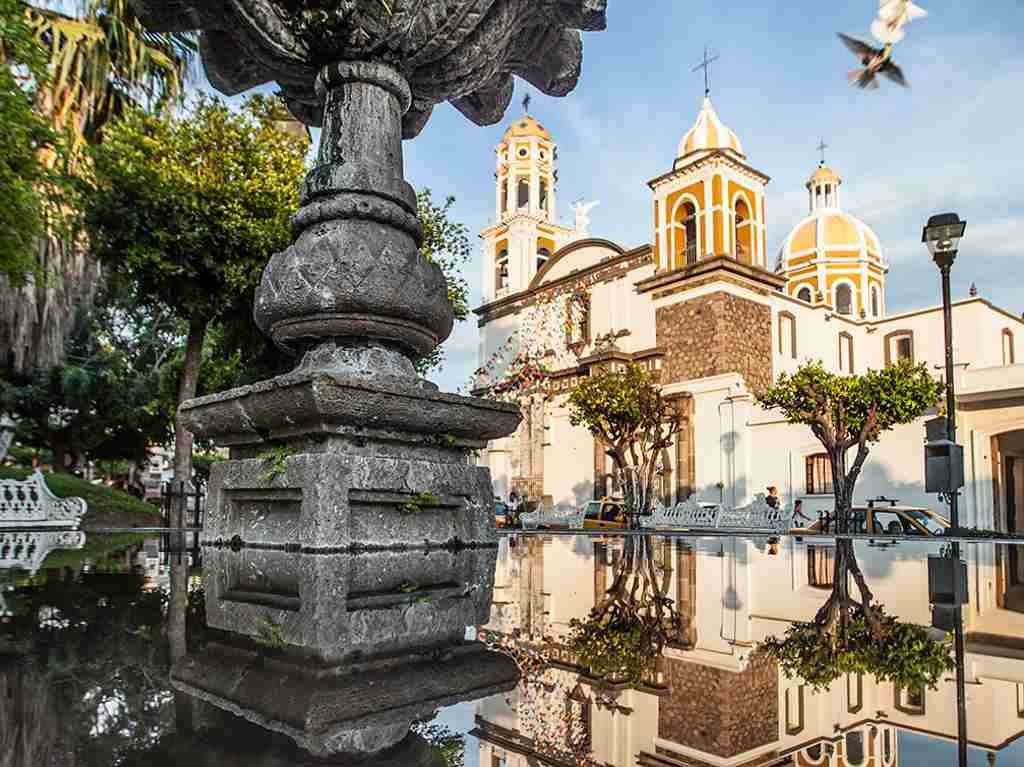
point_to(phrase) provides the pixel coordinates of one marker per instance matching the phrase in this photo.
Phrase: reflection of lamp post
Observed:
(7, 429)
(942, 235)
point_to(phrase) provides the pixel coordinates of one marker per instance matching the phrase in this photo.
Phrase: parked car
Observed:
(883, 516)
(605, 514)
(500, 513)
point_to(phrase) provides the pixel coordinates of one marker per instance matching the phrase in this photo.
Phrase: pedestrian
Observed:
(773, 496)
(798, 506)
(513, 509)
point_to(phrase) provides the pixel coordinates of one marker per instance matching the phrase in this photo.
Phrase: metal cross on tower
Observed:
(526, 104)
(705, 64)
(822, 146)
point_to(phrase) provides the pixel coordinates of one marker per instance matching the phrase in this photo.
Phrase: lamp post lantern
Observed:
(942, 236)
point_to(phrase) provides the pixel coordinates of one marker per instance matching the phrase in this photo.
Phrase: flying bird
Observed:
(893, 15)
(874, 61)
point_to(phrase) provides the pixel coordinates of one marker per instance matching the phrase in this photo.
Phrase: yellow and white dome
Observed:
(708, 133)
(833, 257)
(526, 126)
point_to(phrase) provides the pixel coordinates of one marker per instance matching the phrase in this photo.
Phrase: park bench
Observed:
(691, 513)
(30, 503)
(558, 516)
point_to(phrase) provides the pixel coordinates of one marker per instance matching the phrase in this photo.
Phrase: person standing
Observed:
(773, 496)
(513, 509)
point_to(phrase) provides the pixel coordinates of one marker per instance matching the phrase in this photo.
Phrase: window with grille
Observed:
(819, 474)
(821, 566)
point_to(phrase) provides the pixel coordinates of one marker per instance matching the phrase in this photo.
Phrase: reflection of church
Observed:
(711, 699)
(716, 317)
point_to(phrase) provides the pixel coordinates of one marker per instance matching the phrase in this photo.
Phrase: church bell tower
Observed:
(525, 234)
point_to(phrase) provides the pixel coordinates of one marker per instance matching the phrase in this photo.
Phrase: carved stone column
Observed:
(352, 448)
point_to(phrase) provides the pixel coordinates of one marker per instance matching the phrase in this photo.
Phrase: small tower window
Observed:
(875, 308)
(501, 271)
(523, 194)
(685, 234)
(846, 353)
(1009, 355)
(543, 254)
(804, 294)
(844, 299)
(899, 345)
(544, 196)
(742, 232)
(523, 151)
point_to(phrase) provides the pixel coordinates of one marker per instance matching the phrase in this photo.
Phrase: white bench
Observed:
(27, 550)
(757, 516)
(29, 503)
(689, 513)
(559, 516)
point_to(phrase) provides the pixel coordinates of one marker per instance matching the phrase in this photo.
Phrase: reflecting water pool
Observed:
(547, 649)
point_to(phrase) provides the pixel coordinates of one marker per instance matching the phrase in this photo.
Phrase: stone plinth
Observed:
(322, 461)
(349, 608)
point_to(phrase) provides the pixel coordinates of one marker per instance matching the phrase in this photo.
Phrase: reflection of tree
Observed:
(857, 636)
(449, 745)
(623, 636)
(97, 662)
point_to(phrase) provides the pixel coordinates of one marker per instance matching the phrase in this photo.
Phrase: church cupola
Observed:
(712, 202)
(525, 234)
(832, 257)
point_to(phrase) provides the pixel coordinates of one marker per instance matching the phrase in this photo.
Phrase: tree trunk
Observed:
(187, 390)
(842, 489)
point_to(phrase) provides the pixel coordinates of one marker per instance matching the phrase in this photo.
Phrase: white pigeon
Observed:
(893, 16)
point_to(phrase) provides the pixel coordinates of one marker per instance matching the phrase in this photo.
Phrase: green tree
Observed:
(852, 412)
(99, 404)
(186, 212)
(24, 134)
(98, 61)
(848, 413)
(624, 409)
(447, 244)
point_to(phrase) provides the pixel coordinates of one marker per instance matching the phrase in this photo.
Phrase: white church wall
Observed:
(568, 459)
(568, 582)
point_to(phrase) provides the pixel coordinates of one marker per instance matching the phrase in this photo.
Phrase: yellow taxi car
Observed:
(883, 516)
(605, 514)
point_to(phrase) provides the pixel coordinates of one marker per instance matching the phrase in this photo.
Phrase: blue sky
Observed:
(949, 142)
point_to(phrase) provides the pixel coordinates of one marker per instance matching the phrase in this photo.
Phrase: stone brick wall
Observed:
(715, 334)
(720, 712)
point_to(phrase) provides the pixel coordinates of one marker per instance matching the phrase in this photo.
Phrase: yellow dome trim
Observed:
(825, 173)
(527, 126)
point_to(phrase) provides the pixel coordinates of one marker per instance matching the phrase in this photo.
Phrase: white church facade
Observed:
(716, 317)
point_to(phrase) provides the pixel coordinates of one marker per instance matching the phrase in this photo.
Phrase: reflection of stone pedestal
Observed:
(343, 652)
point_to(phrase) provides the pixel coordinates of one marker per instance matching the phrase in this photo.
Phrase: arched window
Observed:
(543, 254)
(855, 751)
(1009, 353)
(504, 195)
(887, 750)
(523, 194)
(875, 304)
(544, 196)
(685, 233)
(821, 565)
(501, 271)
(844, 299)
(743, 232)
(909, 700)
(804, 294)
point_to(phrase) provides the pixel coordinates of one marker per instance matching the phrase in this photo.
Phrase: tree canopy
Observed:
(846, 412)
(185, 213)
(24, 135)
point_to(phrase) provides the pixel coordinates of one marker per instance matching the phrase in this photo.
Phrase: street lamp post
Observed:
(942, 235)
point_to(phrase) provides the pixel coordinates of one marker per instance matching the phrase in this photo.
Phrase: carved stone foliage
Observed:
(463, 51)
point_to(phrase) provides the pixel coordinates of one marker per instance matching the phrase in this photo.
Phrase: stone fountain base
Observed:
(327, 462)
